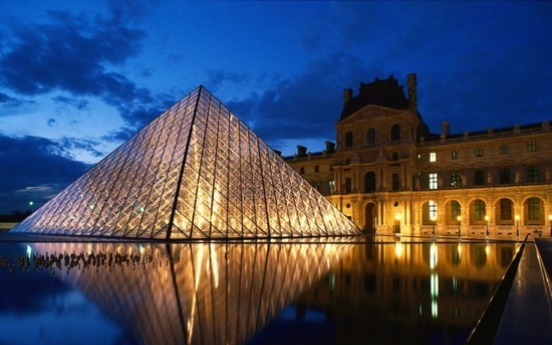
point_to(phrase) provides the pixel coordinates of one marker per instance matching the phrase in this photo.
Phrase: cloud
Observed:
(35, 169)
(6, 100)
(79, 104)
(303, 106)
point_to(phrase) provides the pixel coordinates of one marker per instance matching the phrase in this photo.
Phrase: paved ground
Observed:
(527, 317)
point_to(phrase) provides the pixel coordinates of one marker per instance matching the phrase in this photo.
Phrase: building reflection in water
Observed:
(204, 293)
(409, 293)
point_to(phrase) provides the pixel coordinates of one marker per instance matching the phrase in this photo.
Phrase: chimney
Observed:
(330, 147)
(301, 151)
(347, 95)
(445, 129)
(412, 92)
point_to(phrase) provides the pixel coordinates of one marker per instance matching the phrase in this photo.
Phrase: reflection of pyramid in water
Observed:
(195, 293)
(195, 172)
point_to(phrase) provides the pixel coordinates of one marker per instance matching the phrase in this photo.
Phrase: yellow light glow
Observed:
(550, 217)
(398, 249)
(486, 218)
(517, 217)
(459, 218)
(398, 216)
(433, 256)
(487, 249)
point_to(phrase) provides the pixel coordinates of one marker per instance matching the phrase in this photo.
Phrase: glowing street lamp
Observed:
(459, 219)
(517, 225)
(433, 218)
(398, 218)
(487, 228)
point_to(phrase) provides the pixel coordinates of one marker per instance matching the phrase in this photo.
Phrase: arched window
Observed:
(395, 132)
(369, 182)
(371, 136)
(349, 139)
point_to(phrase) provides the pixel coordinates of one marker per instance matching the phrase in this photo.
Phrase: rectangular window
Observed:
(505, 209)
(479, 177)
(316, 185)
(531, 146)
(348, 185)
(479, 208)
(532, 174)
(533, 209)
(432, 209)
(433, 181)
(504, 177)
(301, 170)
(396, 182)
(454, 155)
(504, 149)
(455, 179)
(478, 152)
(331, 186)
(455, 210)
(316, 169)
(432, 157)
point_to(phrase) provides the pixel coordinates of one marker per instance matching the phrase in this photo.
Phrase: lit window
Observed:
(455, 179)
(433, 181)
(478, 152)
(504, 149)
(432, 156)
(331, 186)
(454, 154)
(531, 146)
(432, 209)
(455, 210)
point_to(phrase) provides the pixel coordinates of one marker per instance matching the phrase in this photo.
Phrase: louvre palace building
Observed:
(389, 174)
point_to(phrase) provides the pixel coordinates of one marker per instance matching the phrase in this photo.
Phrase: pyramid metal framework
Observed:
(195, 172)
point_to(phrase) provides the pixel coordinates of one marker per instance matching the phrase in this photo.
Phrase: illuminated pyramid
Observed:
(195, 172)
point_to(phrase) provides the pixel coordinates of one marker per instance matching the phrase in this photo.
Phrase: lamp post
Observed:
(459, 219)
(487, 227)
(433, 219)
(517, 225)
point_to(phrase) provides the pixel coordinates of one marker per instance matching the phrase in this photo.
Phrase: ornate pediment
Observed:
(370, 112)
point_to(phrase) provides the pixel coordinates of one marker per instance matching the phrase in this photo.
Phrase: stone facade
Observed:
(389, 174)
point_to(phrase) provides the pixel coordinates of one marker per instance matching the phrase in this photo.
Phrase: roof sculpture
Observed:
(195, 172)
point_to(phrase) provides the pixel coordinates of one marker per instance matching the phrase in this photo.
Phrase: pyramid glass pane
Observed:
(195, 172)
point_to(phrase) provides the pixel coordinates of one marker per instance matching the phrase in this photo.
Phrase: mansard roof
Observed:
(387, 93)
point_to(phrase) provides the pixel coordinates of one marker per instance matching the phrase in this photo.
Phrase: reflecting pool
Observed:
(347, 291)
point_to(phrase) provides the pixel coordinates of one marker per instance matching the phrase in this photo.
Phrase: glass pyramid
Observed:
(195, 172)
